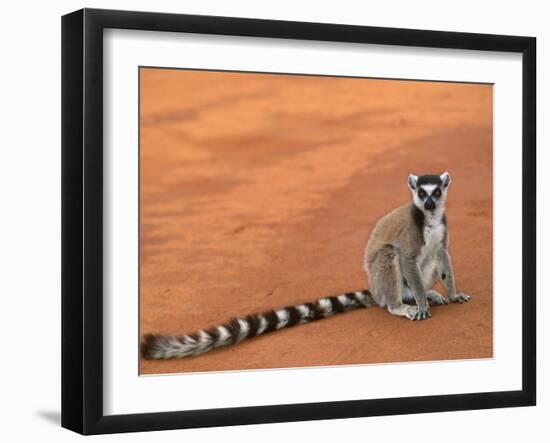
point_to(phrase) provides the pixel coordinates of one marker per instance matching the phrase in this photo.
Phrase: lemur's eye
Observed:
(422, 193)
(437, 193)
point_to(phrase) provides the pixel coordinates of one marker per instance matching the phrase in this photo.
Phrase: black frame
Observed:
(82, 218)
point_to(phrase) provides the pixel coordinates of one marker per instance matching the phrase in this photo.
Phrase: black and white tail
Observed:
(239, 329)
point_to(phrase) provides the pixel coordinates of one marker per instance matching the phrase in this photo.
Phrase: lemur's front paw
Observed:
(459, 298)
(436, 297)
(423, 313)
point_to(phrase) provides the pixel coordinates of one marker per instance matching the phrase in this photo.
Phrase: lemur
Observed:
(405, 255)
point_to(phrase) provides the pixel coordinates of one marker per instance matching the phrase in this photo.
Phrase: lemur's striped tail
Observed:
(239, 329)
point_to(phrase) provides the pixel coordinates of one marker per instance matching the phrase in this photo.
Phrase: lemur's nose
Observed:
(429, 205)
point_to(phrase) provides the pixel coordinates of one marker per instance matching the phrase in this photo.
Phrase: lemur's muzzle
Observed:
(429, 205)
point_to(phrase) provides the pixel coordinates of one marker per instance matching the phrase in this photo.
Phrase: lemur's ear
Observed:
(412, 181)
(445, 179)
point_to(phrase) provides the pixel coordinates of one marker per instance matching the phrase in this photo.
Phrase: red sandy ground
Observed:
(260, 191)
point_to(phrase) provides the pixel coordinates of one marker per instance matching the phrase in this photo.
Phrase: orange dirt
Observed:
(260, 191)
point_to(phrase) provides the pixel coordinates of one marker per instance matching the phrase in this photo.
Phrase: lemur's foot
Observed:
(423, 312)
(459, 298)
(413, 312)
(436, 297)
(410, 311)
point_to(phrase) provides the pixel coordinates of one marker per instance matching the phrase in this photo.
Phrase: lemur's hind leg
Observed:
(386, 283)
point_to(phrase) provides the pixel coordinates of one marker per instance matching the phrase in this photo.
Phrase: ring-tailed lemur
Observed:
(405, 255)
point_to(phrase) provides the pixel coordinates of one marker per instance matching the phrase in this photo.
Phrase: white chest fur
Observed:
(434, 230)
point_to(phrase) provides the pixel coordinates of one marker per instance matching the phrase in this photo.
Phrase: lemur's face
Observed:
(429, 191)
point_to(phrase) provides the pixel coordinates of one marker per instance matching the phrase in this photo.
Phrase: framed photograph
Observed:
(268, 221)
